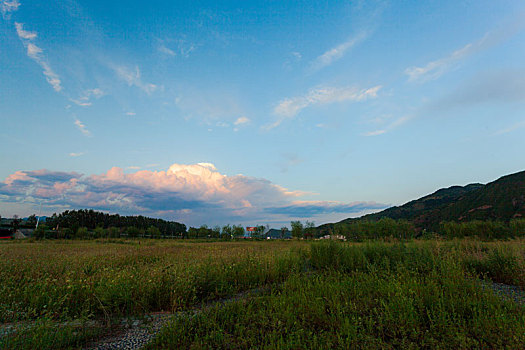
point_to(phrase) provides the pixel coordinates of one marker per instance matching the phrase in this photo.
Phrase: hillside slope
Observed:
(502, 199)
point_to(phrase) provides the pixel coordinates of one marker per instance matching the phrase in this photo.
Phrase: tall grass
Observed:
(370, 296)
(89, 280)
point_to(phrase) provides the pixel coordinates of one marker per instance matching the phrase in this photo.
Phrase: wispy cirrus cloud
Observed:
(82, 127)
(85, 98)
(516, 126)
(166, 50)
(501, 87)
(308, 209)
(36, 54)
(337, 52)
(176, 47)
(194, 193)
(435, 69)
(290, 107)
(399, 121)
(132, 77)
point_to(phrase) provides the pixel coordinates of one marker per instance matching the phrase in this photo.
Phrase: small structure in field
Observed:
(339, 237)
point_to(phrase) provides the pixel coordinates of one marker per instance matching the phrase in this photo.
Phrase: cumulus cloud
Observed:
(194, 193)
(337, 52)
(35, 53)
(290, 107)
(82, 127)
(132, 77)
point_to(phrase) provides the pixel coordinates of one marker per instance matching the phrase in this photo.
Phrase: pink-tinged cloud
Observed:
(194, 194)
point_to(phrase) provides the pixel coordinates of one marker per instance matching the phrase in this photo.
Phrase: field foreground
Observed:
(428, 294)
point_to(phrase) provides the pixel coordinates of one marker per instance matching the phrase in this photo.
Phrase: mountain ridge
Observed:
(501, 199)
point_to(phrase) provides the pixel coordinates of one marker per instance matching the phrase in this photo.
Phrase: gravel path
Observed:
(507, 291)
(137, 333)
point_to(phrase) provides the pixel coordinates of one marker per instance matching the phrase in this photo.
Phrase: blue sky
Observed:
(255, 112)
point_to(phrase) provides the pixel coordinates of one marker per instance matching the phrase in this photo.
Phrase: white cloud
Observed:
(76, 154)
(165, 50)
(35, 53)
(375, 132)
(389, 127)
(6, 7)
(84, 99)
(133, 167)
(337, 52)
(241, 120)
(23, 34)
(80, 102)
(194, 193)
(290, 107)
(131, 113)
(512, 128)
(97, 93)
(82, 127)
(132, 78)
(435, 69)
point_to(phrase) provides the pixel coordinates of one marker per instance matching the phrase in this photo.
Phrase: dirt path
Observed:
(137, 333)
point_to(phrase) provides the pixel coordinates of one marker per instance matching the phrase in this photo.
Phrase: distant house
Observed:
(340, 237)
(277, 234)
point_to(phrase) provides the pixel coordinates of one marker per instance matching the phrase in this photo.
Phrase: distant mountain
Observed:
(502, 199)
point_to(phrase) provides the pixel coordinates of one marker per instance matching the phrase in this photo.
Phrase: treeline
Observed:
(484, 229)
(404, 229)
(224, 232)
(382, 228)
(86, 223)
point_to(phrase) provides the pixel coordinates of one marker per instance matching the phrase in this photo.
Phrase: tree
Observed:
(113, 232)
(15, 223)
(238, 230)
(192, 232)
(259, 231)
(40, 232)
(99, 232)
(82, 232)
(133, 231)
(309, 229)
(297, 229)
(216, 232)
(284, 231)
(153, 232)
(31, 220)
(226, 232)
(204, 231)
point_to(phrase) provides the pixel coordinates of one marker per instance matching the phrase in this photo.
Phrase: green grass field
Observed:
(420, 294)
